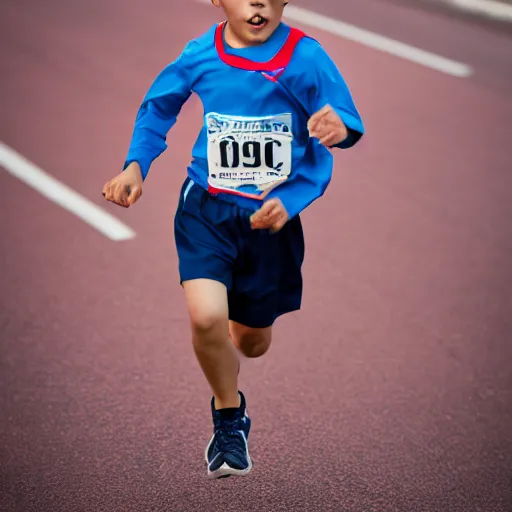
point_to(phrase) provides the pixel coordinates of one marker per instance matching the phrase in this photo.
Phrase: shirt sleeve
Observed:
(309, 185)
(330, 88)
(324, 85)
(158, 113)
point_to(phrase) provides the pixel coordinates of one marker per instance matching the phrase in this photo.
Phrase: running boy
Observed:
(274, 105)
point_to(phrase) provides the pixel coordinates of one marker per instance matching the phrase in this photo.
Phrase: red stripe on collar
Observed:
(280, 60)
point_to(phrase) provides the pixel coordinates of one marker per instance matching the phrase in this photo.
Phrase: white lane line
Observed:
(375, 41)
(378, 42)
(490, 8)
(62, 195)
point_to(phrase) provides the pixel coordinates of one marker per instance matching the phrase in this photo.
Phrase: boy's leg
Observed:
(266, 285)
(208, 310)
(227, 452)
(250, 341)
(207, 249)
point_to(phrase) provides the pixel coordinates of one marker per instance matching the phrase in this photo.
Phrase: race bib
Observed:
(248, 156)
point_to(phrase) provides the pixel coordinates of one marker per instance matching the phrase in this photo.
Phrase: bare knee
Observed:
(206, 321)
(209, 330)
(207, 308)
(250, 341)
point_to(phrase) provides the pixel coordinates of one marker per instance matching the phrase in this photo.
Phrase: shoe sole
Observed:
(225, 470)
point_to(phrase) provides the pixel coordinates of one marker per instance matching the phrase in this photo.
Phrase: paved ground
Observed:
(466, 11)
(390, 391)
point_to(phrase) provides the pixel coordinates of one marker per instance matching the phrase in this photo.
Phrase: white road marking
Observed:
(490, 8)
(375, 41)
(55, 191)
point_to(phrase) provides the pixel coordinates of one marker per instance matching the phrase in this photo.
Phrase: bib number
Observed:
(248, 156)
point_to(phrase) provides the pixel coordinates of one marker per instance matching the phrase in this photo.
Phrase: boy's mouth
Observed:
(257, 21)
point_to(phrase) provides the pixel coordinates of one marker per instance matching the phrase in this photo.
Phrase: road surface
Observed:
(390, 391)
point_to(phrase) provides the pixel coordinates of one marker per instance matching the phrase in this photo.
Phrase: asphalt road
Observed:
(390, 391)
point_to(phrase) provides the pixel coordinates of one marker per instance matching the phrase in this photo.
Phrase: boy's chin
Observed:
(255, 39)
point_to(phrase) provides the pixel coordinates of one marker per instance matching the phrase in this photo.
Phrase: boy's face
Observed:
(250, 23)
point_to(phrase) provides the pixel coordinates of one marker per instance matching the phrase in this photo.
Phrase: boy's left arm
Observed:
(335, 121)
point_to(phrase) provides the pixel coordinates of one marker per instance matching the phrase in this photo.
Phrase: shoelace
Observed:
(227, 437)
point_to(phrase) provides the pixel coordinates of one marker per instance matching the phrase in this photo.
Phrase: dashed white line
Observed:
(375, 41)
(61, 194)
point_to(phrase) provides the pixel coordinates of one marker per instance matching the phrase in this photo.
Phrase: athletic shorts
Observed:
(261, 271)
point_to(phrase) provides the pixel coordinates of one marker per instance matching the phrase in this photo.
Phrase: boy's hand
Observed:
(327, 126)
(272, 215)
(126, 187)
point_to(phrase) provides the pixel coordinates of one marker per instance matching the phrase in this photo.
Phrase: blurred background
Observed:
(390, 391)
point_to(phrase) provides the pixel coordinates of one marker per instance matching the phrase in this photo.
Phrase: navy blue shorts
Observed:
(261, 271)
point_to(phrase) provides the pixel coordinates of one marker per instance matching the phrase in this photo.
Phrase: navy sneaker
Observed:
(227, 453)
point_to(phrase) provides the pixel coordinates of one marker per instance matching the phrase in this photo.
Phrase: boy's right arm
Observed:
(126, 187)
(155, 117)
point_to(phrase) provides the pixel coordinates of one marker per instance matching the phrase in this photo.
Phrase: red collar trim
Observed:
(280, 60)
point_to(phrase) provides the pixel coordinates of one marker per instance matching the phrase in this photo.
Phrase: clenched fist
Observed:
(327, 126)
(126, 187)
(272, 215)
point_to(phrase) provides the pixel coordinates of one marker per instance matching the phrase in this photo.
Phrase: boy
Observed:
(274, 105)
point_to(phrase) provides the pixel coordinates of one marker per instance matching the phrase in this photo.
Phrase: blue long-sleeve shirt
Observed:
(254, 142)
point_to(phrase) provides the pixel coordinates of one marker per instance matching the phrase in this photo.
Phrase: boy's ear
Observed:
(216, 3)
